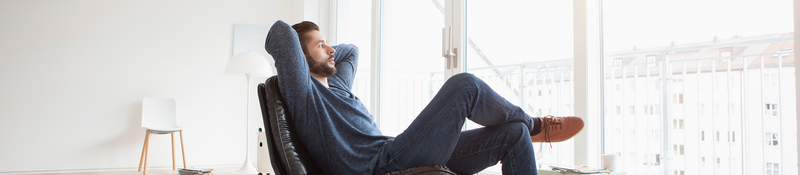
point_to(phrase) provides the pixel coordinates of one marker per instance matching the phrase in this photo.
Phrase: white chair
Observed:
(159, 117)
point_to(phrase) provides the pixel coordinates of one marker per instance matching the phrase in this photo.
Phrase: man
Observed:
(342, 137)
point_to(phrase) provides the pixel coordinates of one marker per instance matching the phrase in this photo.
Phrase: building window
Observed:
(703, 162)
(619, 87)
(677, 98)
(633, 110)
(771, 109)
(677, 149)
(702, 135)
(729, 136)
(773, 168)
(619, 110)
(651, 59)
(770, 80)
(717, 136)
(633, 85)
(772, 139)
(656, 83)
(677, 123)
(702, 108)
(719, 164)
(733, 136)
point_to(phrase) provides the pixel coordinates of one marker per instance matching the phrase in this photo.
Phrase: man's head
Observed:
(318, 54)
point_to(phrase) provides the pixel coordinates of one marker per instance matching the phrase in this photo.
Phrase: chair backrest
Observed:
(287, 154)
(158, 113)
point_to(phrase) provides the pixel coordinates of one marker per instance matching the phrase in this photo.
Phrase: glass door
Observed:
(410, 58)
(523, 50)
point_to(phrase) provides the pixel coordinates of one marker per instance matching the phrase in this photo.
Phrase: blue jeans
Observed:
(436, 136)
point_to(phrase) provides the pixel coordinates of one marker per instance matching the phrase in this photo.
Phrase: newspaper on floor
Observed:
(580, 169)
(195, 171)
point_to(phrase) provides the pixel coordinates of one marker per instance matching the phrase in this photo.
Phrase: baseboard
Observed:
(112, 169)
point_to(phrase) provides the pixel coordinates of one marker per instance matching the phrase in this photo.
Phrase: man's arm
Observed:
(284, 46)
(346, 58)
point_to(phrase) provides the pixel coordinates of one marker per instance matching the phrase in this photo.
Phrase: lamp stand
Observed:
(247, 168)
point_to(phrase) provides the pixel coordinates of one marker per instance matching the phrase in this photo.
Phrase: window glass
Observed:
(685, 54)
(353, 26)
(519, 47)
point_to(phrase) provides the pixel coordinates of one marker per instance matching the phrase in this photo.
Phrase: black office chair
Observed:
(287, 155)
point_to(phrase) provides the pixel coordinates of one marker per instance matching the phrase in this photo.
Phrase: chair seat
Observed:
(163, 130)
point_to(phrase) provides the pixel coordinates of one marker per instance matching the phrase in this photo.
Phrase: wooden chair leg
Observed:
(173, 149)
(147, 140)
(144, 145)
(183, 153)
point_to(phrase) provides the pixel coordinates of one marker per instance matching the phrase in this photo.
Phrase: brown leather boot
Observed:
(558, 129)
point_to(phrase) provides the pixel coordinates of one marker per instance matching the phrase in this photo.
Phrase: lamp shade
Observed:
(247, 63)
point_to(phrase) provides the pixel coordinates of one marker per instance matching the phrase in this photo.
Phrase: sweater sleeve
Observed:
(294, 78)
(346, 58)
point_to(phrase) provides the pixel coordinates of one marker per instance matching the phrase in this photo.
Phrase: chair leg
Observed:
(183, 153)
(146, 145)
(173, 149)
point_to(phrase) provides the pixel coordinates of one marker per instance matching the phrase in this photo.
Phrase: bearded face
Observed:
(321, 68)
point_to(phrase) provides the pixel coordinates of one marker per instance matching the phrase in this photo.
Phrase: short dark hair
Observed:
(302, 28)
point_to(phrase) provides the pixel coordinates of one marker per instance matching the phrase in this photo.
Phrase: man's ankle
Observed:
(537, 125)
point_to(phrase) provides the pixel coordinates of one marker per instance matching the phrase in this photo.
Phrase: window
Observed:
(772, 139)
(719, 81)
(773, 168)
(771, 109)
(702, 108)
(702, 135)
(770, 80)
(674, 123)
(677, 98)
(729, 136)
(703, 162)
(632, 110)
(677, 149)
(677, 123)
(656, 84)
(632, 85)
(353, 25)
(651, 59)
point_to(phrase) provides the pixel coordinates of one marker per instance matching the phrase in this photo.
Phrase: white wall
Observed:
(73, 75)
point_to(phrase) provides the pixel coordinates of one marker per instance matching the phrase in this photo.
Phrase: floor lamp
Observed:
(247, 63)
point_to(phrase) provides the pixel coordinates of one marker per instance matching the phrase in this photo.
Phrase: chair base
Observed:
(143, 159)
